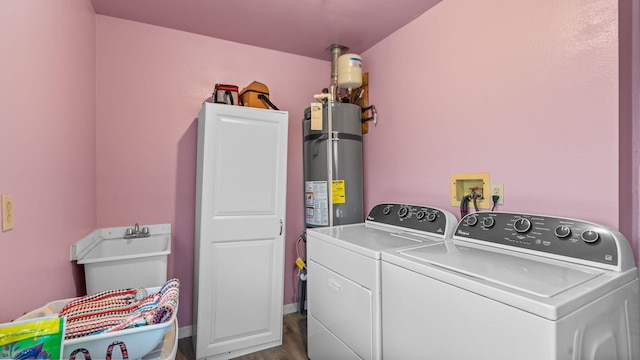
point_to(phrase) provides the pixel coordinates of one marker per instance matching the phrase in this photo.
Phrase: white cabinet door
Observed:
(239, 249)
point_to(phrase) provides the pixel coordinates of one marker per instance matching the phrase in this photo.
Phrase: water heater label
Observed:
(315, 202)
(316, 116)
(338, 193)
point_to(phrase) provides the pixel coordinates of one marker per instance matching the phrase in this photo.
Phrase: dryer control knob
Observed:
(432, 217)
(563, 231)
(522, 225)
(403, 212)
(420, 214)
(590, 236)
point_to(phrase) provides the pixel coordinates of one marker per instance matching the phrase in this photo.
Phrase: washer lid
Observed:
(527, 274)
(370, 239)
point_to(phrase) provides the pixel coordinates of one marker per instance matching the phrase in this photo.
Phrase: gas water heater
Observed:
(332, 149)
(333, 176)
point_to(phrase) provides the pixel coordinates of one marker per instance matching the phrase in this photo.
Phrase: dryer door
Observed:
(343, 307)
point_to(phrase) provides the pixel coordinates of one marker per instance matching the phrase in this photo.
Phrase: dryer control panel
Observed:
(564, 238)
(414, 217)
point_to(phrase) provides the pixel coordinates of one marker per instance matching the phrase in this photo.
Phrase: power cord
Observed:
(495, 199)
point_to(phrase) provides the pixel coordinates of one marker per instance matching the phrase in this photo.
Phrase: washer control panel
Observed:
(564, 237)
(414, 217)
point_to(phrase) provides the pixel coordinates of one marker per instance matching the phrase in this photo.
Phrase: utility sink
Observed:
(112, 261)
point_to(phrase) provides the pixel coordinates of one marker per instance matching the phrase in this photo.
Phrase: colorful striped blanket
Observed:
(113, 310)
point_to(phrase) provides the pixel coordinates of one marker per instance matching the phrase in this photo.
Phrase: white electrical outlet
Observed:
(498, 189)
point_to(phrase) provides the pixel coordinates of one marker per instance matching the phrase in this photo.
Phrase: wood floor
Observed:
(294, 343)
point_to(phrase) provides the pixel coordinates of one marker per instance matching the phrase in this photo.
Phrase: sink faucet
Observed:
(136, 233)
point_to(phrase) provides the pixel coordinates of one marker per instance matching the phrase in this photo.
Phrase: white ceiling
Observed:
(303, 27)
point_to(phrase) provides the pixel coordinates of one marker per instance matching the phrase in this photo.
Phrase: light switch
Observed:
(7, 212)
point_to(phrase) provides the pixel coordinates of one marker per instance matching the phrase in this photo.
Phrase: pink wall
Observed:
(47, 146)
(151, 82)
(525, 90)
(629, 108)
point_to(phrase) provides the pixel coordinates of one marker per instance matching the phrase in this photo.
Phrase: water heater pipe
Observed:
(336, 50)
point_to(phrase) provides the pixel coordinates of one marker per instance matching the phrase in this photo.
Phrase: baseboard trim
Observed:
(290, 308)
(184, 332)
(187, 331)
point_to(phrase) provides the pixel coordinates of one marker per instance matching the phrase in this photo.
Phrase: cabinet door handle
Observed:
(280, 227)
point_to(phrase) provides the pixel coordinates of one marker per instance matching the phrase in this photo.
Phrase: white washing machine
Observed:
(513, 286)
(343, 318)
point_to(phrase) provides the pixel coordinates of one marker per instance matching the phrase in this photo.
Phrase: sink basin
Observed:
(121, 249)
(113, 262)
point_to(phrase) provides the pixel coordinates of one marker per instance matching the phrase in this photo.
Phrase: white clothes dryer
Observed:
(513, 286)
(343, 318)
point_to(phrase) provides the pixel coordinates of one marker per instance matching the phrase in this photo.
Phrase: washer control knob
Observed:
(420, 214)
(590, 236)
(488, 222)
(472, 220)
(431, 217)
(522, 225)
(386, 210)
(403, 212)
(563, 231)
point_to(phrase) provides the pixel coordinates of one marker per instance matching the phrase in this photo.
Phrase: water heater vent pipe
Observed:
(335, 50)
